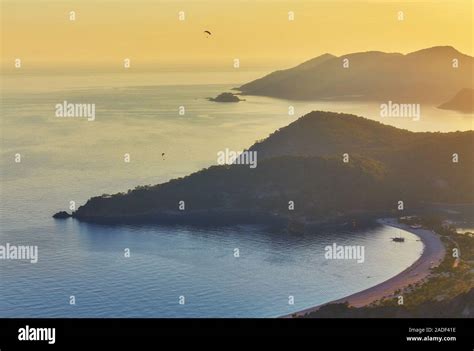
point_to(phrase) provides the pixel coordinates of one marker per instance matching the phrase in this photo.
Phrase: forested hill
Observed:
(321, 133)
(304, 163)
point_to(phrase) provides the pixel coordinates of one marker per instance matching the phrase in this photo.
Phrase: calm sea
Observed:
(72, 159)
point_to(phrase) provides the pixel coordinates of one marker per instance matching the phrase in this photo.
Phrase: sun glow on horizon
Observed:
(260, 34)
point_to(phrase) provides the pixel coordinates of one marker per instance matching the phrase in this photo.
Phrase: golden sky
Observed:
(256, 32)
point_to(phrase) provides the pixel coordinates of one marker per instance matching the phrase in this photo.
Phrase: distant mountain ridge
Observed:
(463, 101)
(426, 75)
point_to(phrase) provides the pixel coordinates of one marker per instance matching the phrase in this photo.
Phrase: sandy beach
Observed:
(433, 254)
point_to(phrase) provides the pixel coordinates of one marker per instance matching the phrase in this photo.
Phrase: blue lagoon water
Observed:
(64, 160)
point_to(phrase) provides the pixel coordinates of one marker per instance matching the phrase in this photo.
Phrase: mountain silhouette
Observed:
(303, 162)
(463, 101)
(428, 75)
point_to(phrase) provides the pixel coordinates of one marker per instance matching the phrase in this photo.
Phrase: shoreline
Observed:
(432, 255)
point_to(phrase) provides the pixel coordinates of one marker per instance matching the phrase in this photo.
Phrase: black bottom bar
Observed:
(416, 334)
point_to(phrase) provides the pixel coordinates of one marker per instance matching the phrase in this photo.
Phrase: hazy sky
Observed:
(257, 32)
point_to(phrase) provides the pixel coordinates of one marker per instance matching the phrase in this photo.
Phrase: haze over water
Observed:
(66, 159)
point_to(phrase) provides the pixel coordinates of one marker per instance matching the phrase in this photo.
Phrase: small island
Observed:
(226, 97)
(61, 215)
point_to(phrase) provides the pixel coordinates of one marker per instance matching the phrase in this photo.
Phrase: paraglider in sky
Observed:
(208, 33)
(163, 155)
